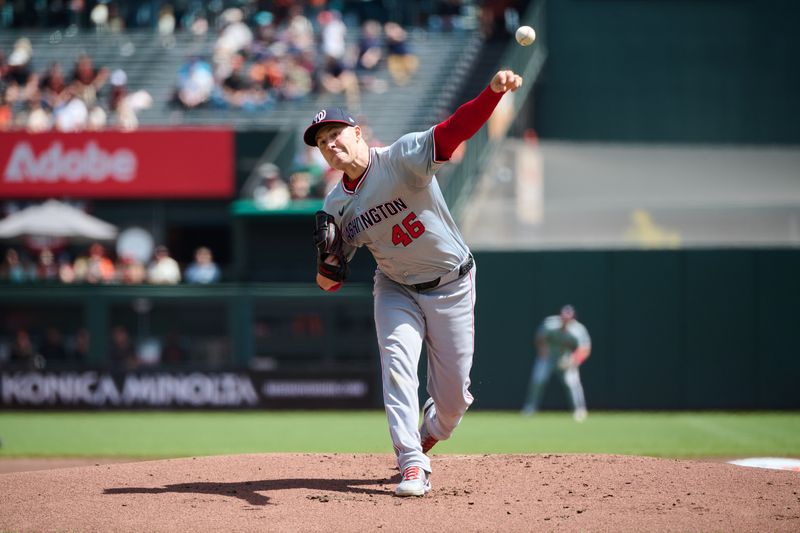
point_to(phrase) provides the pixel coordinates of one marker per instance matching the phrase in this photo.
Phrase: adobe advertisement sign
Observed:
(155, 163)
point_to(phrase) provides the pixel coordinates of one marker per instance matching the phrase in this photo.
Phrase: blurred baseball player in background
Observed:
(563, 342)
(424, 287)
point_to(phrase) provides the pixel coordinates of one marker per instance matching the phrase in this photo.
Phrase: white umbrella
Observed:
(55, 219)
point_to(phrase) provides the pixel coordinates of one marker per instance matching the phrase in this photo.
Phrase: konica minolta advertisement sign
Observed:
(189, 390)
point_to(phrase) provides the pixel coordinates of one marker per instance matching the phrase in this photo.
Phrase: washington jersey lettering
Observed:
(398, 212)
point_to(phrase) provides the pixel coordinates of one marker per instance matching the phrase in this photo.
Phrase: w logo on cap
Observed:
(320, 116)
(326, 116)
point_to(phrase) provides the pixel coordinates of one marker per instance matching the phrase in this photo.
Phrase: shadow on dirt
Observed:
(251, 491)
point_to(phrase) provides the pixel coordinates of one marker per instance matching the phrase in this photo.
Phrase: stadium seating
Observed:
(445, 60)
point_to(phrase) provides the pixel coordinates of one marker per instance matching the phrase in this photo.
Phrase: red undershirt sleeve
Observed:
(464, 123)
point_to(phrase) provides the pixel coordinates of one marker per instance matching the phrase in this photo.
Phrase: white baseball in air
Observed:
(525, 35)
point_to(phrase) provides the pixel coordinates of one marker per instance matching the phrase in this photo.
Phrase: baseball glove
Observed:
(565, 362)
(328, 242)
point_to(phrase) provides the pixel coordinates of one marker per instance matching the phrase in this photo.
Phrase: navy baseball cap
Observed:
(331, 115)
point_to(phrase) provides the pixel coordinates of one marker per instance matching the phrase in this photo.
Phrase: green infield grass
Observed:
(181, 434)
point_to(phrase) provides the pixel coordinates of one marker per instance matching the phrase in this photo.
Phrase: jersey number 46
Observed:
(412, 229)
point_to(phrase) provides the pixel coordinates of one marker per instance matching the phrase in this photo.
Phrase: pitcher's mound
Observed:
(347, 492)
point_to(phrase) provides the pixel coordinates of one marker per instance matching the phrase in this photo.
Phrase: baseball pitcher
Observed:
(424, 286)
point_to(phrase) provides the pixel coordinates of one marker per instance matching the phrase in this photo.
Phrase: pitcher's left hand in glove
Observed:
(331, 262)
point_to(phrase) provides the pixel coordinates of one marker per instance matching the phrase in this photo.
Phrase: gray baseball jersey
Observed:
(397, 211)
(561, 342)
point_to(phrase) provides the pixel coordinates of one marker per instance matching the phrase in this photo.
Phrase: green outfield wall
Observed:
(671, 329)
(670, 70)
(688, 329)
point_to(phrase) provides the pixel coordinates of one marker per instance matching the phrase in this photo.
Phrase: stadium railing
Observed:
(459, 183)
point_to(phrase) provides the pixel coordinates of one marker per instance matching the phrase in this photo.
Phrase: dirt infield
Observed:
(346, 492)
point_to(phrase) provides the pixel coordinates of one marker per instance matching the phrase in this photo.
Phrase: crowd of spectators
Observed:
(51, 348)
(26, 350)
(263, 54)
(48, 347)
(85, 97)
(181, 15)
(96, 266)
(260, 59)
